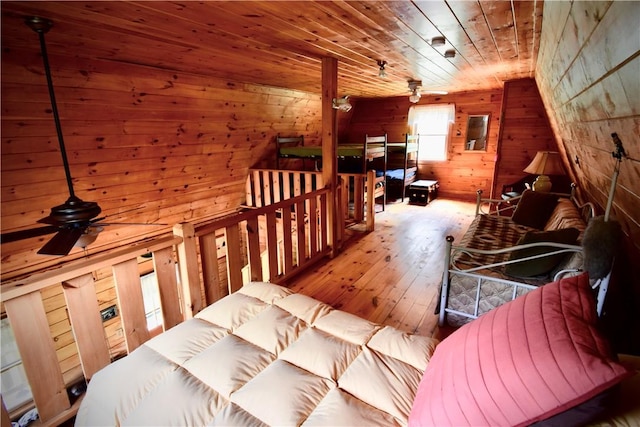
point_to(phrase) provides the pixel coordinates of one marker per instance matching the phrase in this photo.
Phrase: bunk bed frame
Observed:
(373, 147)
(402, 164)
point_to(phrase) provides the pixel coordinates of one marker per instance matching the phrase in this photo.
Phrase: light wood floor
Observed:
(392, 276)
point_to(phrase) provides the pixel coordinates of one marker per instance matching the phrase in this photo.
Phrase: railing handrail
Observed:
(253, 212)
(37, 281)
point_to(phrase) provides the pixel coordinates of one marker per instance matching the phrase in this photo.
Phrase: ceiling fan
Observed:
(76, 221)
(415, 87)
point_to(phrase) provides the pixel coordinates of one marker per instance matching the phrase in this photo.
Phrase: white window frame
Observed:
(432, 123)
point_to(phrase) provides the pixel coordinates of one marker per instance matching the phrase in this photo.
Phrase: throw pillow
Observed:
(601, 241)
(523, 362)
(543, 265)
(534, 209)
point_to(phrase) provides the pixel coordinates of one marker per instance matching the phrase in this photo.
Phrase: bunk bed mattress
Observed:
(343, 150)
(263, 356)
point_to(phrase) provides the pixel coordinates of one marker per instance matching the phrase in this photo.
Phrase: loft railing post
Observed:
(189, 276)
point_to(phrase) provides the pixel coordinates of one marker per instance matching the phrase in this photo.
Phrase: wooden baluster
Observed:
(210, 268)
(234, 258)
(253, 236)
(313, 226)
(31, 330)
(165, 268)
(189, 272)
(272, 245)
(88, 330)
(257, 189)
(287, 238)
(301, 234)
(371, 205)
(129, 291)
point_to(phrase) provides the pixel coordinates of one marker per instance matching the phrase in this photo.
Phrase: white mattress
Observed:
(263, 356)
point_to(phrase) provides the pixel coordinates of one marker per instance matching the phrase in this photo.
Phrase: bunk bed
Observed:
(402, 165)
(352, 157)
(373, 147)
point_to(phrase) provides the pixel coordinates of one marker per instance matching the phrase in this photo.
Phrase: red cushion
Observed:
(520, 363)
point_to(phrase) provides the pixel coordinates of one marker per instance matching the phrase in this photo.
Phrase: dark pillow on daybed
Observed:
(534, 209)
(600, 242)
(540, 266)
(526, 361)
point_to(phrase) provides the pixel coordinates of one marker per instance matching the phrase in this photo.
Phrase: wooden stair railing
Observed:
(193, 248)
(298, 225)
(26, 313)
(266, 186)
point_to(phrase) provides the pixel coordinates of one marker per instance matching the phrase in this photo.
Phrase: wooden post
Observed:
(84, 314)
(189, 275)
(371, 201)
(330, 143)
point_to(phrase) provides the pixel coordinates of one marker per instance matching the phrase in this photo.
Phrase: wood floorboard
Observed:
(392, 275)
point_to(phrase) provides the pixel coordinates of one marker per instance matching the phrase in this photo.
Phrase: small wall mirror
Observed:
(477, 132)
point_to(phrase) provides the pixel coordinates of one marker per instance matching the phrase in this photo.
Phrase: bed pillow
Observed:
(525, 361)
(540, 266)
(534, 209)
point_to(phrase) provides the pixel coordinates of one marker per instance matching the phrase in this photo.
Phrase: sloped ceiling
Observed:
(281, 43)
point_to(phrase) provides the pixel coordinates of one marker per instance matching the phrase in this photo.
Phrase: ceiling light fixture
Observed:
(438, 41)
(414, 87)
(450, 53)
(342, 104)
(382, 73)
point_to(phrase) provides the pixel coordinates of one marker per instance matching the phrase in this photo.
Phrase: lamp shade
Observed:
(543, 164)
(546, 163)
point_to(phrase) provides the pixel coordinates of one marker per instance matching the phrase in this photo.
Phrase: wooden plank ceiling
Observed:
(281, 43)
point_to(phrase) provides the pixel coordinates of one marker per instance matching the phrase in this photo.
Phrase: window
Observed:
(151, 297)
(432, 123)
(15, 388)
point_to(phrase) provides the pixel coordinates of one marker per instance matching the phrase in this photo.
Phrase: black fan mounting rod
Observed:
(74, 212)
(42, 26)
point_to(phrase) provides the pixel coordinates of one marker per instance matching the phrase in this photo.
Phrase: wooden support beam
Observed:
(330, 143)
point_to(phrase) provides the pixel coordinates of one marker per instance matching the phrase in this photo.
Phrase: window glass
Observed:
(15, 388)
(432, 124)
(151, 297)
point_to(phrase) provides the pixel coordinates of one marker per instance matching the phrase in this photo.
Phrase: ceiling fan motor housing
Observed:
(74, 210)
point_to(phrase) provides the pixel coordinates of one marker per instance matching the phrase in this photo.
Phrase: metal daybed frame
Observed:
(518, 287)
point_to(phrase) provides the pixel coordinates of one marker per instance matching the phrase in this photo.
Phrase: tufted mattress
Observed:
(263, 356)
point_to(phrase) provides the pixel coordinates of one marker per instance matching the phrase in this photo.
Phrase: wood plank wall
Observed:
(587, 72)
(150, 145)
(525, 131)
(465, 171)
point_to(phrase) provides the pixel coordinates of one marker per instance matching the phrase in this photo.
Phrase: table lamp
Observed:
(543, 164)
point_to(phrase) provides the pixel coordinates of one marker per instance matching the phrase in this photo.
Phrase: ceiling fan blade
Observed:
(14, 236)
(126, 223)
(62, 242)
